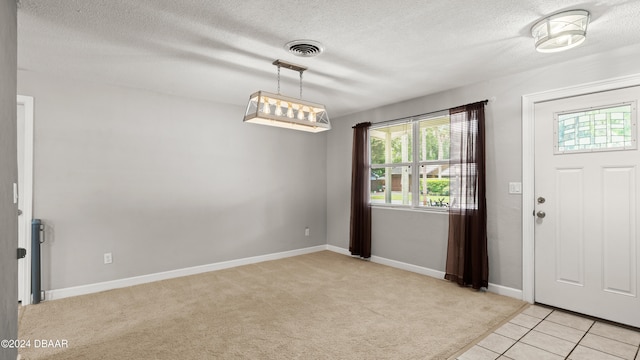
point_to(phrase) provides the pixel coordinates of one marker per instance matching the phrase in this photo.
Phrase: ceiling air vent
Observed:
(304, 48)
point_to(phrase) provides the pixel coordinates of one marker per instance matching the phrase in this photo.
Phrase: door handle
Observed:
(19, 212)
(541, 214)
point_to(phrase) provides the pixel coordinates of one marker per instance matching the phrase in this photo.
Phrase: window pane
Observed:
(410, 163)
(378, 185)
(463, 186)
(601, 129)
(391, 144)
(434, 139)
(391, 185)
(377, 148)
(434, 185)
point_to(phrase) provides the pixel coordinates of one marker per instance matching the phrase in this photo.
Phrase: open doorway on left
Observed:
(25, 120)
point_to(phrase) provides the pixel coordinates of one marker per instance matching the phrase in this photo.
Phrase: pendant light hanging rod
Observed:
(287, 65)
(278, 79)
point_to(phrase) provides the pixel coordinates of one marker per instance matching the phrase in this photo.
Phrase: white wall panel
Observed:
(619, 230)
(570, 225)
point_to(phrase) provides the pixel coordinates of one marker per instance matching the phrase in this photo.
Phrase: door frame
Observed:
(27, 193)
(528, 165)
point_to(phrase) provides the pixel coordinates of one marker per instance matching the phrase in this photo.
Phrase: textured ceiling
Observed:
(376, 52)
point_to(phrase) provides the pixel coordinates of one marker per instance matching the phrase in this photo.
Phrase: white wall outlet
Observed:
(108, 258)
(515, 188)
(306, 231)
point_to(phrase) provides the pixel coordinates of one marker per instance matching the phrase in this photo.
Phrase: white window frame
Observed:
(414, 123)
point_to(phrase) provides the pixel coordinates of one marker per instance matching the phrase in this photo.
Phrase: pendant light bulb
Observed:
(278, 109)
(266, 108)
(289, 111)
(300, 113)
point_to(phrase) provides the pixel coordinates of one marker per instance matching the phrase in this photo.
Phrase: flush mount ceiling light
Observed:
(561, 31)
(287, 112)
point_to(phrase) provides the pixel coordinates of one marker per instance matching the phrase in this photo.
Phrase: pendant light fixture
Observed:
(287, 112)
(561, 31)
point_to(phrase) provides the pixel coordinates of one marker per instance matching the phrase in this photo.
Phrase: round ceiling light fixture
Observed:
(304, 48)
(561, 31)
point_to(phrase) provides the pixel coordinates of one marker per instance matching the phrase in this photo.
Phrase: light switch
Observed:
(515, 188)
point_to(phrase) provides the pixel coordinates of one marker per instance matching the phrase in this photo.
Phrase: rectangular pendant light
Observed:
(271, 109)
(282, 111)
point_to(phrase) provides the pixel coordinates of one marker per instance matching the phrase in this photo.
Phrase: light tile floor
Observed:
(540, 333)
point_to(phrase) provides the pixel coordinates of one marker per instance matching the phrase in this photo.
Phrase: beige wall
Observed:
(419, 238)
(8, 176)
(163, 182)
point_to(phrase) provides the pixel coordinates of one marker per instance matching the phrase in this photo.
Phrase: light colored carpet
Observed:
(317, 306)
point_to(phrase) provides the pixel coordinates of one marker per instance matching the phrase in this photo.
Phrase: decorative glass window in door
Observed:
(606, 128)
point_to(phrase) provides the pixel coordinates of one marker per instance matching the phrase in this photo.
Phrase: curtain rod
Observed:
(429, 113)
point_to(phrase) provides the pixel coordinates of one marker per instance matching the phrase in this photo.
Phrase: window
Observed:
(596, 129)
(410, 163)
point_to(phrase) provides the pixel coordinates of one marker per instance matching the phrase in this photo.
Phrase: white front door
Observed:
(586, 239)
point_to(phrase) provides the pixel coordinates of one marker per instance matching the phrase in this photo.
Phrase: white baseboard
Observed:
(409, 267)
(506, 291)
(338, 250)
(137, 280)
(497, 289)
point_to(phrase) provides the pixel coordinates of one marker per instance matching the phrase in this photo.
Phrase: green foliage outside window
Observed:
(437, 142)
(436, 186)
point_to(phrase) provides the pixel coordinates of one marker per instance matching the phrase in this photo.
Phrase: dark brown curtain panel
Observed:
(467, 259)
(360, 231)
